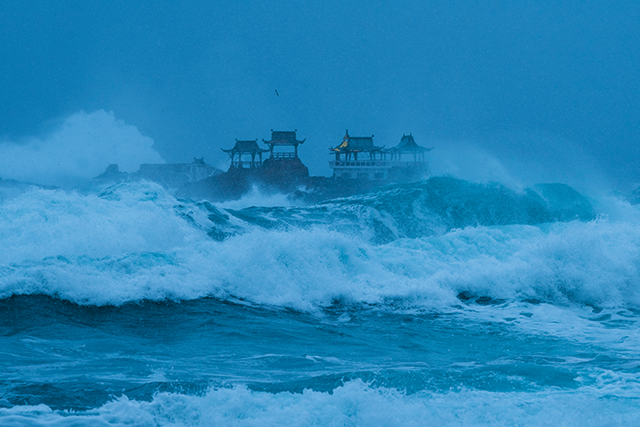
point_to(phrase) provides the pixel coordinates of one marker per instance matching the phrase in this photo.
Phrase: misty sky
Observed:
(535, 89)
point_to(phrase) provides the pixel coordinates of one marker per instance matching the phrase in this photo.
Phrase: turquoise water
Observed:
(443, 302)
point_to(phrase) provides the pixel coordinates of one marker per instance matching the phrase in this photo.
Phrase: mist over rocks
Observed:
(76, 150)
(10, 188)
(171, 176)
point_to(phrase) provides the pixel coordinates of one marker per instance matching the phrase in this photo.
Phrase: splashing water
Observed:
(442, 302)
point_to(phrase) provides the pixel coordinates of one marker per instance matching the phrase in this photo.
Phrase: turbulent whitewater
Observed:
(443, 302)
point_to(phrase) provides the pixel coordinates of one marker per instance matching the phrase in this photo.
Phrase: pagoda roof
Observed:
(246, 146)
(408, 144)
(284, 138)
(356, 143)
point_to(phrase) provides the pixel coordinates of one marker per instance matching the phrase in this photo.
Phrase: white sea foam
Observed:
(354, 404)
(611, 328)
(45, 223)
(257, 198)
(133, 243)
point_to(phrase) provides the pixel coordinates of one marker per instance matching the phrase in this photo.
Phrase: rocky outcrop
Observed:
(170, 176)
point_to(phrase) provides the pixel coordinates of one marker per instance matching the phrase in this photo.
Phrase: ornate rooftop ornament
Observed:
(356, 144)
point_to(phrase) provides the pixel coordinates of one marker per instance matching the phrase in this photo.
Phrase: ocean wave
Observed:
(353, 404)
(584, 263)
(420, 209)
(134, 242)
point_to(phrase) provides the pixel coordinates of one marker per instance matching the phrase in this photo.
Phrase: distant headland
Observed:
(358, 165)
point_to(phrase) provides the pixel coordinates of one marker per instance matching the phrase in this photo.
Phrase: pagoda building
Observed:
(406, 161)
(283, 165)
(351, 146)
(283, 141)
(409, 149)
(357, 157)
(243, 154)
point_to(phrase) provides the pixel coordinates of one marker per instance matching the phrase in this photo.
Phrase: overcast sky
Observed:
(540, 90)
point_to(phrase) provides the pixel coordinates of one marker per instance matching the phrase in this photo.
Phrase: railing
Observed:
(283, 156)
(370, 164)
(246, 164)
(377, 164)
(408, 164)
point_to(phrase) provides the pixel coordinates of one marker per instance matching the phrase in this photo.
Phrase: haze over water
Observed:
(548, 91)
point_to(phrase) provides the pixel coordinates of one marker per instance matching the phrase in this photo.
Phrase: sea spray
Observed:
(443, 301)
(352, 404)
(135, 242)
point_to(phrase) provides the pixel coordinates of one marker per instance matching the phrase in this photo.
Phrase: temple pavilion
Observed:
(359, 158)
(281, 144)
(243, 154)
(283, 166)
(408, 149)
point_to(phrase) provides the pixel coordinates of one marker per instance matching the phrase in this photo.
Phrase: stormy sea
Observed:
(443, 302)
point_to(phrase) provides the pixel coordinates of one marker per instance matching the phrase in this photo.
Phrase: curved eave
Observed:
(259, 150)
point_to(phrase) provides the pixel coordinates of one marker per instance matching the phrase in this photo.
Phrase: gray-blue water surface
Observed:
(69, 356)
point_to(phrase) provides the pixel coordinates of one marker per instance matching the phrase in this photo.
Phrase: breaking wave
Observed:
(425, 244)
(354, 403)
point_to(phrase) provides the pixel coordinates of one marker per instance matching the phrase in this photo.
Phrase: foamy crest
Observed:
(354, 404)
(257, 198)
(78, 150)
(51, 223)
(137, 242)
